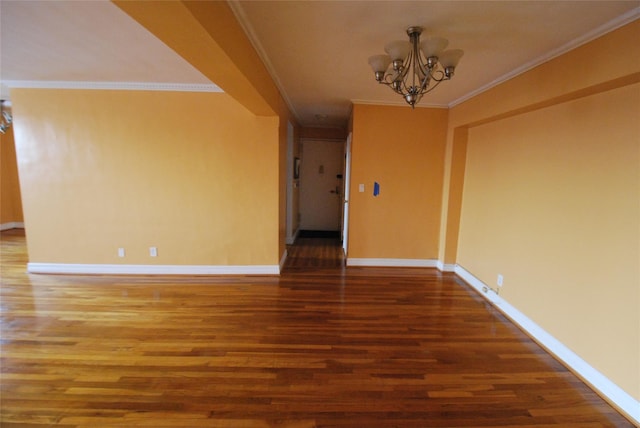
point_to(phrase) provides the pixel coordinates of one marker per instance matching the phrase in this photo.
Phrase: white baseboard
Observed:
(12, 225)
(392, 262)
(110, 269)
(444, 267)
(609, 390)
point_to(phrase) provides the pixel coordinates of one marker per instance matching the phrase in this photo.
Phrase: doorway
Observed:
(321, 187)
(318, 243)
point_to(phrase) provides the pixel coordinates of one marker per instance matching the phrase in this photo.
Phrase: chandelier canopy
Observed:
(413, 68)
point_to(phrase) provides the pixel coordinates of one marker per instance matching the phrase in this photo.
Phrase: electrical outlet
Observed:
(500, 280)
(153, 251)
(120, 252)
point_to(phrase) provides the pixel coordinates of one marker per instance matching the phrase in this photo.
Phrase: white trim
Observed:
(124, 86)
(605, 28)
(109, 269)
(242, 19)
(612, 392)
(445, 267)
(12, 225)
(429, 263)
(283, 259)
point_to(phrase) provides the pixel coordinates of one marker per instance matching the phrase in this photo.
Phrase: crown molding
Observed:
(605, 28)
(242, 19)
(116, 86)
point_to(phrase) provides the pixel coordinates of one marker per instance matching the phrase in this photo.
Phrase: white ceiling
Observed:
(84, 41)
(316, 50)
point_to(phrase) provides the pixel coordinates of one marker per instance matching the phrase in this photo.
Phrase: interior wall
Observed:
(550, 199)
(285, 120)
(314, 133)
(10, 202)
(403, 221)
(211, 39)
(193, 174)
(552, 202)
(601, 64)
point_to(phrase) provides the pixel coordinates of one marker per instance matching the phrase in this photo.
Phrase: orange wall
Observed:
(390, 146)
(552, 202)
(11, 203)
(194, 174)
(550, 199)
(207, 35)
(600, 65)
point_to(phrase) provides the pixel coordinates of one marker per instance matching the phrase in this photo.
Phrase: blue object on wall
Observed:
(376, 188)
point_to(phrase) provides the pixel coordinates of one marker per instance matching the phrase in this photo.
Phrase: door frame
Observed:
(346, 182)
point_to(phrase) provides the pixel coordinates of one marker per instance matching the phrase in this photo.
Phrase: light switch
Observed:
(361, 188)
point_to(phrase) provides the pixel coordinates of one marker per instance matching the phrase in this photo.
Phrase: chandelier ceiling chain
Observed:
(414, 68)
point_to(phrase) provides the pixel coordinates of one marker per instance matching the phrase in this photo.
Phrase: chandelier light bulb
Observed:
(398, 49)
(451, 58)
(379, 64)
(433, 46)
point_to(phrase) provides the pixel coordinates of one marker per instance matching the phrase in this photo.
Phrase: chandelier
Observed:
(5, 118)
(414, 68)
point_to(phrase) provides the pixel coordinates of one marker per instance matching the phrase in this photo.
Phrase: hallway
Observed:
(319, 252)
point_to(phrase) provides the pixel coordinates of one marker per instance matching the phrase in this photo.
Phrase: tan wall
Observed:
(207, 35)
(11, 203)
(597, 66)
(551, 199)
(193, 174)
(390, 146)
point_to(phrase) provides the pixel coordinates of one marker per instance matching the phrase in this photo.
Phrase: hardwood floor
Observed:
(314, 253)
(315, 347)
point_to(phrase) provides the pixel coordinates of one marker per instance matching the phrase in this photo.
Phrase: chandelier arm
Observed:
(398, 84)
(432, 80)
(413, 58)
(438, 75)
(432, 87)
(423, 66)
(419, 71)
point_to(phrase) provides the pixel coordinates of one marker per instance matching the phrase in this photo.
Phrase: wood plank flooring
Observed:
(314, 253)
(315, 347)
